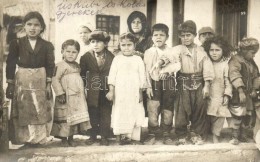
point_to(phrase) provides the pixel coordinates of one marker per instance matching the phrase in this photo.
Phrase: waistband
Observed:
(192, 76)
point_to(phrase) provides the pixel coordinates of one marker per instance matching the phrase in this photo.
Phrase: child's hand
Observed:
(140, 95)
(163, 76)
(205, 92)
(110, 95)
(10, 91)
(253, 94)
(48, 91)
(225, 100)
(61, 99)
(149, 92)
(242, 96)
(157, 65)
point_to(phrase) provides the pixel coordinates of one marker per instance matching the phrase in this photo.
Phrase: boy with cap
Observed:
(95, 66)
(193, 81)
(160, 86)
(205, 33)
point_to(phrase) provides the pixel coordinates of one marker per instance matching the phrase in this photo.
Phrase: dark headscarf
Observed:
(142, 17)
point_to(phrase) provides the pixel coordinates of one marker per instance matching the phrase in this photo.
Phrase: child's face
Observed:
(97, 45)
(127, 47)
(187, 38)
(215, 52)
(159, 38)
(70, 53)
(83, 34)
(249, 54)
(136, 25)
(204, 36)
(33, 28)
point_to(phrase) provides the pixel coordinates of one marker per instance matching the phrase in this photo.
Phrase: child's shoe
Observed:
(197, 140)
(104, 142)
(168, 141)
(91, 140)
(125, 140)
(64, 142)
(71, 142)
(150, 140)
(234, 141)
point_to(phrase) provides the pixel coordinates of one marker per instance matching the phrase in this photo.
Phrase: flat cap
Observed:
(99, 35)
(206, 29)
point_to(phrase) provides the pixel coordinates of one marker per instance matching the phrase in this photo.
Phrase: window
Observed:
(110, 24)
(231, 20)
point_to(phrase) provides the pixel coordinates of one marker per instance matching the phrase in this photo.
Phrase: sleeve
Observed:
(12, 60)
(56, 80)
(83, 69)
(208, 69)
(234, 73)
(256, 79)
(148, 78)
(141, 73)
(113, 72)
(50, 62)
(228, 85)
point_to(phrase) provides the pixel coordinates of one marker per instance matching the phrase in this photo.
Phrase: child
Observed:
(70, 110)
(126, 82)
(244, 76)
(205, 33)
(221, 89)
(84, 32)
(30, 87)
(160, 86)
(95, 66)
(193, 81)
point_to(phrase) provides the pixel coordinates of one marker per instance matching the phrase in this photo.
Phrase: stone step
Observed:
(222, 152)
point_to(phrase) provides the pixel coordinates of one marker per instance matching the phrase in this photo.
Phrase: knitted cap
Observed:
(188, 26)
(99, 35)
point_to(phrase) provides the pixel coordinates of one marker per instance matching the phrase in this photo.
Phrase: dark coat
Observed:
(247, 71)
(94, 78)
(22, 54)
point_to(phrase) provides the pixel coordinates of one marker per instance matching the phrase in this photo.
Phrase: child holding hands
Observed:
(70, 110)
(126, 82)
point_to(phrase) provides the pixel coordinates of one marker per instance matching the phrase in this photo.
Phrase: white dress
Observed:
(127, 74)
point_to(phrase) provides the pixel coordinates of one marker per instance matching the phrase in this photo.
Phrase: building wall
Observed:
(67, 27)
(164, 14)
(202, 12)
(253, 28)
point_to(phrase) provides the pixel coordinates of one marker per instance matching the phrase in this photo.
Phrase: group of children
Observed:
(202, 85)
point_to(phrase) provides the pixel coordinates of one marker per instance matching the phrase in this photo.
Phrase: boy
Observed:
(244, 76)
(160, 86)
(205, 33)
(95, 66)
(193, 81)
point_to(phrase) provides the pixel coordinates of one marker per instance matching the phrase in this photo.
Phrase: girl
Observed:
(244, 76)
(30, 87)
(221, 89)
(137, 25)
(126, 81)
(70, 111)
(84, 32)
